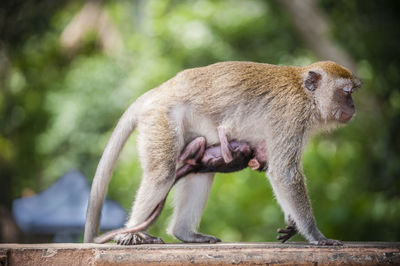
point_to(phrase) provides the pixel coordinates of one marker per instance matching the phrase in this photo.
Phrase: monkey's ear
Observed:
(312, 81)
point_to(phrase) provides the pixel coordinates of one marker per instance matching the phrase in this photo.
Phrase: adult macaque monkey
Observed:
(278, 107)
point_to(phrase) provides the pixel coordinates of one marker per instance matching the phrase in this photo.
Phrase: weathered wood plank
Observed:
(362, 253)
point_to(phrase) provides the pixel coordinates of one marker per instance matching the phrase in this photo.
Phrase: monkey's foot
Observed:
(199, 238)
(329, 242)
(287, 233)
(193, 152)
(137, 239)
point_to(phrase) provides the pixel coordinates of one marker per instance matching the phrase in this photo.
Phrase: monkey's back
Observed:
(236, 94)
(215, 88)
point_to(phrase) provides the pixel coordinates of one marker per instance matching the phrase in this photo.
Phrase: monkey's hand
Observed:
(226, 148)
(287, 233)
(329, 242)
(254, 164)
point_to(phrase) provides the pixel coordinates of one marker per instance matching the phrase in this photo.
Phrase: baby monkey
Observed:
(198, 158)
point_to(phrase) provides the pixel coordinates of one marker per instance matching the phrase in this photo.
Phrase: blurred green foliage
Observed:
(58, 108)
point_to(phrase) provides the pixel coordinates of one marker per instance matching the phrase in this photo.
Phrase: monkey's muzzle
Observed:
(346, 117)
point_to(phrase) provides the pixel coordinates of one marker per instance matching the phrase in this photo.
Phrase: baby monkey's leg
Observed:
(193, 152)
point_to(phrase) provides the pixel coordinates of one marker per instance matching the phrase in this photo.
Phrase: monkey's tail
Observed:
(121, 133)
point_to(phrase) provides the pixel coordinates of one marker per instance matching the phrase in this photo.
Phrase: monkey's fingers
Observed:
(288, 230)
(287, 233)
(283, 238)
(282, 231)
(137, 238)
(330, 242)
(226, 149)
(191, 162)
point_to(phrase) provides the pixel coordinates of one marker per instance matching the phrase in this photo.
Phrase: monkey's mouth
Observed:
(345, 117)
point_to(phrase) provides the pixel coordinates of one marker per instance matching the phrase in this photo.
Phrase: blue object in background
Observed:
(61, 210)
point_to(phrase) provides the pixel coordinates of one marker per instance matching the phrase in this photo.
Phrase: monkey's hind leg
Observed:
(190, 198)
(158, 155)
(148, 197)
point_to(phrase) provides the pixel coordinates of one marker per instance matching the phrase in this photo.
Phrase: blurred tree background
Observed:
(68, 69)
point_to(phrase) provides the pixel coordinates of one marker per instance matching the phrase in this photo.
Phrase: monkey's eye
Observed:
(348, 89)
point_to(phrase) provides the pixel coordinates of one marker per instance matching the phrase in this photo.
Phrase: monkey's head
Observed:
(331, 86)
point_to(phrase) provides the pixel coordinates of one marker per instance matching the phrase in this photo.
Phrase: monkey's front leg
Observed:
(291, 193)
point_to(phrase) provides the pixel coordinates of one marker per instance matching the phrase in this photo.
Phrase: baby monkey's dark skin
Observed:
(198, 158)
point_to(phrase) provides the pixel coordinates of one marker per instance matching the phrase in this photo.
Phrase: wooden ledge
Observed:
(360, 253)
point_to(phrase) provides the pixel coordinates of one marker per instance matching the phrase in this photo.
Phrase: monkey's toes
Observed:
(214, 240)
(155, 240)
(199, 238)
(138, 238)
(330, 242)
(125, 239)
(283, 238)
(287, 233)
(288, 230)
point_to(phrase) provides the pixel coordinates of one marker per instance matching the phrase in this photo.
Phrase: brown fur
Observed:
(334, 69)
